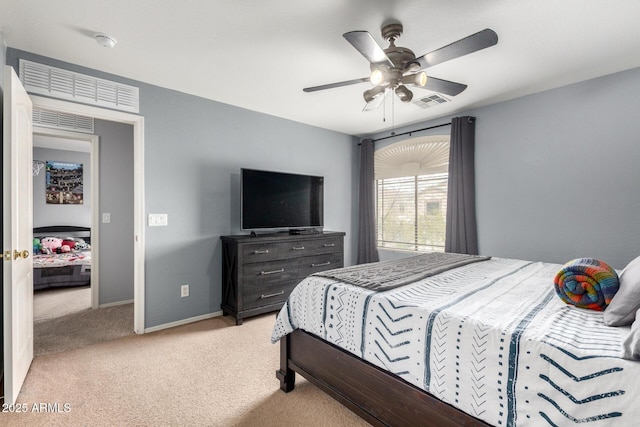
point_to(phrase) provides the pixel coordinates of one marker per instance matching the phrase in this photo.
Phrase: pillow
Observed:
(631, 346)
(622, 309)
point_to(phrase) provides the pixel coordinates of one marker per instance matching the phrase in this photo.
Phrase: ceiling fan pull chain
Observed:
(384, 110)
(393, 115)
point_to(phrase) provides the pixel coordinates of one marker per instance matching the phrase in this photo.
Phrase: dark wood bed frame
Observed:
(377, 396)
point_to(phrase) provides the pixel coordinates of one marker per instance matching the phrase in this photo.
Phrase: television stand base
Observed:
(298, 231)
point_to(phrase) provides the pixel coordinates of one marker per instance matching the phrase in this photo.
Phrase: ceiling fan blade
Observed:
(367, 46)
(443, 86)
(473, 43)
(338, 84)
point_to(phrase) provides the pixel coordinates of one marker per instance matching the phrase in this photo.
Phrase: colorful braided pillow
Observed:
(587, 283)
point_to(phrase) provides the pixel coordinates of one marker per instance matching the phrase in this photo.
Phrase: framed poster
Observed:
(64, 183)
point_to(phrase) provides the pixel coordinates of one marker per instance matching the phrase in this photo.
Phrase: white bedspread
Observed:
(491, 338)
(60, 260)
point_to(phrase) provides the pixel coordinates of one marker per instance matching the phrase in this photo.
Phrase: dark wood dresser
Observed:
(259, 273)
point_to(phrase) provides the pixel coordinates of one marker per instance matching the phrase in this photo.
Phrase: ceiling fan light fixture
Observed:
(418, 79)
(376, 77)
(373, 93)
(404, 94)
(412, 67)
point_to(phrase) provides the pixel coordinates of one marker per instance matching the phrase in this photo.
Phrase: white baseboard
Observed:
(182, 322)
(113, 304)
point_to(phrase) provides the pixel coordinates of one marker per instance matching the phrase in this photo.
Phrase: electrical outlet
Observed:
(184, 291)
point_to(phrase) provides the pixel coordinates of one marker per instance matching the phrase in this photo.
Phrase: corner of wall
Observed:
(3, 60)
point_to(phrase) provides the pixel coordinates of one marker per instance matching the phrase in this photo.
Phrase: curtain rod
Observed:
(393, 134)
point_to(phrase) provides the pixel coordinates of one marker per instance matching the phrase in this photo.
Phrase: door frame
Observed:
(94, 153)
(138, 188)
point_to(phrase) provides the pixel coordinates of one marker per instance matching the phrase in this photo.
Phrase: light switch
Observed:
(106, 218)
(158, 220)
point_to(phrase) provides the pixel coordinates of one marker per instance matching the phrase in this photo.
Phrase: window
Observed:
(411, 194)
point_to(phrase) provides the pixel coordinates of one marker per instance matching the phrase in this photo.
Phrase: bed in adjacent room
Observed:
(488, 342)
(62, 257)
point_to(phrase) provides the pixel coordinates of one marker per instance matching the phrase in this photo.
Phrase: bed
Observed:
(67, 269)
(488, 343)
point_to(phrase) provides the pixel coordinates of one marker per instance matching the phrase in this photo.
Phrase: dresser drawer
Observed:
(296, 249)
(273, 293)
(260, 252)
(325, 246)
(270, 271)
(310, 265)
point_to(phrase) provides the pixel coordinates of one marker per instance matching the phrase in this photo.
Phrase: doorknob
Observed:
(24, 254)
(7, 256)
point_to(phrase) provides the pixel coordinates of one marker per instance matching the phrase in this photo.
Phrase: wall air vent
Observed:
(58, 83)
(430, 101)
(58, 120)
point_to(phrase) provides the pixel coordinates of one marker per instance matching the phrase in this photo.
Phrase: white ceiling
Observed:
(260, 54)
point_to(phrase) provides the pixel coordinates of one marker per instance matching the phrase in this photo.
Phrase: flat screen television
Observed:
(278, 200)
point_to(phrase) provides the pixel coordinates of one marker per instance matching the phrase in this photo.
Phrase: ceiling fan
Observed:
(396, 67)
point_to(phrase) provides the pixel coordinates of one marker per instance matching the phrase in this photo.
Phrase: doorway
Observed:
(138, 187)
(55, 139)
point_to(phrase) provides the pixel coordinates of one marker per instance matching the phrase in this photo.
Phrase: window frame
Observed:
(419, 162)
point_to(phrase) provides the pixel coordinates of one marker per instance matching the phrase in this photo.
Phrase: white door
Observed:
(17, 234)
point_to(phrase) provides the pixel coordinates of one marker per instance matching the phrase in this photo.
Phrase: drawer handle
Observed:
(272, 295)
(329, 245)
(301, 248)
(266, 251)
(264, 273)
(321, 264)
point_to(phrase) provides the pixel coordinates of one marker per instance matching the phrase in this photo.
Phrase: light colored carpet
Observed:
(56, 302)
(80, 329)
(209, 373)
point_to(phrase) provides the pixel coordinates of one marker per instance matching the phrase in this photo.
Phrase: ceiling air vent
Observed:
(58, 83)
(58, 120)
(430, 101)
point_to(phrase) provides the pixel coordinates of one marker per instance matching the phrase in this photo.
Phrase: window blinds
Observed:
(411, 195)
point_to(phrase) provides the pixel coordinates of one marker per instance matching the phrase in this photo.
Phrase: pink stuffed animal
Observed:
(51, 243)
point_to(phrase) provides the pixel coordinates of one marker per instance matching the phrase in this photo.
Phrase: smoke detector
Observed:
(105, 40)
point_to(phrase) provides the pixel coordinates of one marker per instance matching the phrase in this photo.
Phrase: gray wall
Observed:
(195, 181)
(556, 172)
(44, 214)
(116, 198)
(3, 61)
(194, 149)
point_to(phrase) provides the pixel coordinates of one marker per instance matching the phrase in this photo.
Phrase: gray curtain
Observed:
(462, 234)
(367, 251)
